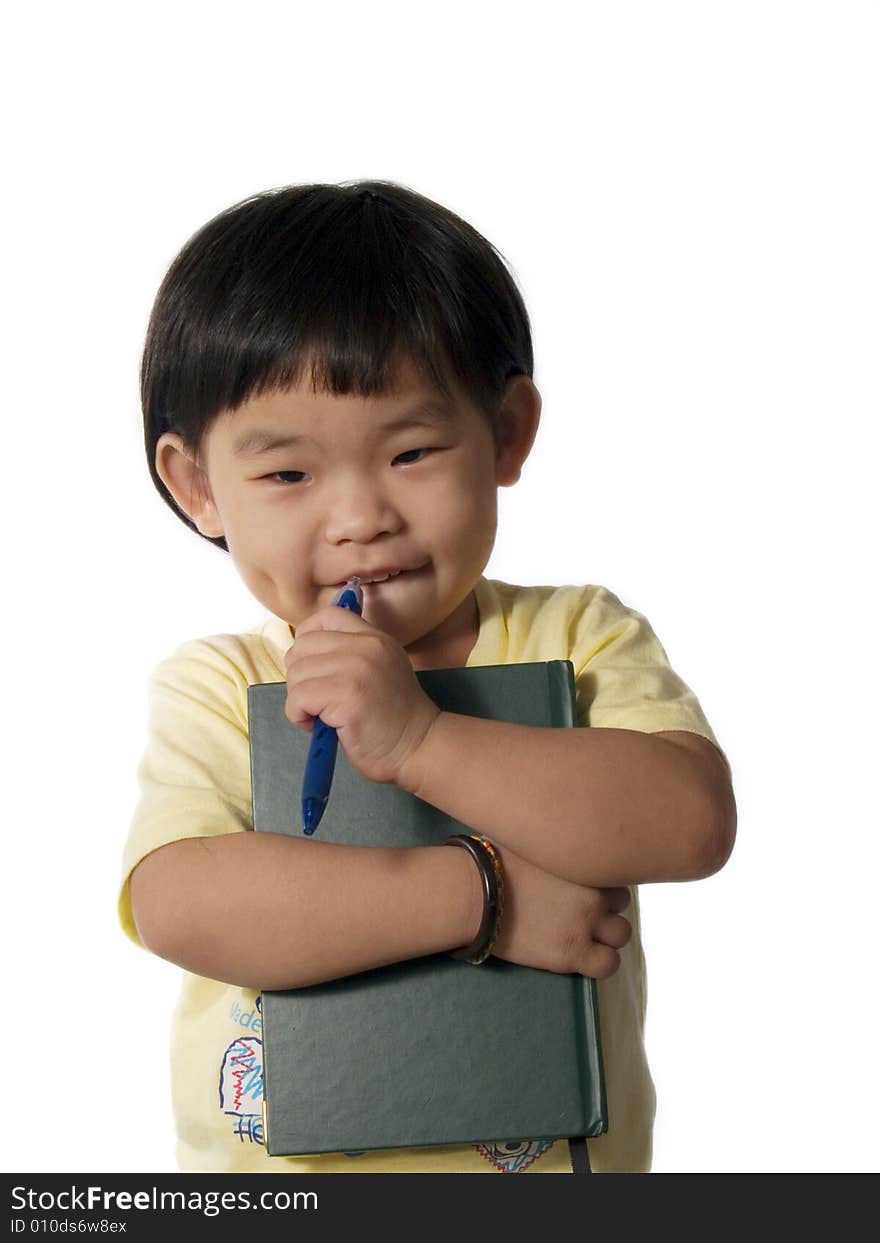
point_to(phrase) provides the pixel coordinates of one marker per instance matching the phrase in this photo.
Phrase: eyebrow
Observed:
(259, 440)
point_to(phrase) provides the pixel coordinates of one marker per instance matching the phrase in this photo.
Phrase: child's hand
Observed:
(359, 680)
(558, 925)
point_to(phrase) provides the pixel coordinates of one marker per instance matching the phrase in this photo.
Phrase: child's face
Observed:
(351, 494)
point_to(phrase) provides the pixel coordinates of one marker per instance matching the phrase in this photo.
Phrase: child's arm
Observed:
(307, 911)
(269, 911)
(597, 806)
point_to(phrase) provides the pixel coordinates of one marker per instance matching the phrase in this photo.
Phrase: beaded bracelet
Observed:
(488, 861)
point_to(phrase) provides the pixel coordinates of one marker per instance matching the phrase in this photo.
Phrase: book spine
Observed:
(585, 1000)
(585, 1003)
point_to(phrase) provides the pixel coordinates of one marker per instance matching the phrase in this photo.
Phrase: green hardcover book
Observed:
(432, 1050)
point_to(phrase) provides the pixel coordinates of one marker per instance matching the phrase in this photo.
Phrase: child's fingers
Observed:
(317, 643)
(601, 962)
(333, 646)
(332, 617)
(613, 930)
(617, 899)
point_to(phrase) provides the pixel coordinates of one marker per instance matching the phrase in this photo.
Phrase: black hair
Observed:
(340, 279)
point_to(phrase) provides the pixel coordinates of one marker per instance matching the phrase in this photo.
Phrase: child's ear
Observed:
(187, 482)
(517, 426)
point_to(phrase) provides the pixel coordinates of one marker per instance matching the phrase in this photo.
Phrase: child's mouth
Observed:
(387, 580)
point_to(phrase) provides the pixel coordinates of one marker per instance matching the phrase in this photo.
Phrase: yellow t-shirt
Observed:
(195, 781)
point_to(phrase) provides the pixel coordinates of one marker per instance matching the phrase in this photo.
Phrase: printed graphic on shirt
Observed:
(241, 1077)
(514, 1156)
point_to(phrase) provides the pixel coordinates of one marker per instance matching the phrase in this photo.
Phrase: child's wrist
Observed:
(467, 908)
(441, 899)
(419, 762)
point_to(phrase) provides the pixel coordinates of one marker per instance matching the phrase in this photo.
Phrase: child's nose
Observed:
(360, 513)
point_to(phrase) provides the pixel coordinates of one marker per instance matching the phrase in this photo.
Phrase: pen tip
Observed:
(313, 810)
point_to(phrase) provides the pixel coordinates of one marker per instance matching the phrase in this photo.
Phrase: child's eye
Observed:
(282, 476)
(408, 454)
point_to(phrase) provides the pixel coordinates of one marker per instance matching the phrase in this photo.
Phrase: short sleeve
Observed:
(194, 776)
(623, 676)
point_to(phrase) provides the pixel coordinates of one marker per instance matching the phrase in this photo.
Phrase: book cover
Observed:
(432, 1050)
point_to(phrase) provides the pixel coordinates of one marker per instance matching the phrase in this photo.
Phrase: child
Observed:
(336, 380)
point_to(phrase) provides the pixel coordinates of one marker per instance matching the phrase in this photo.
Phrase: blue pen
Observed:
(321, 760)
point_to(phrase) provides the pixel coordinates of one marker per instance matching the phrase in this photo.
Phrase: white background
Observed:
(688, 195)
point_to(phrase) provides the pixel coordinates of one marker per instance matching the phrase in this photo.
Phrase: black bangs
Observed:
(331, 285)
